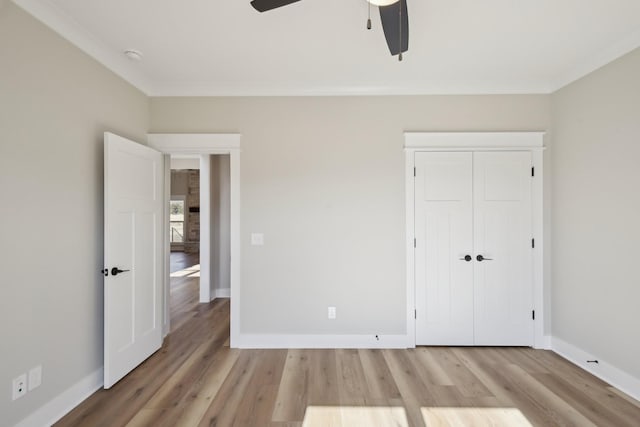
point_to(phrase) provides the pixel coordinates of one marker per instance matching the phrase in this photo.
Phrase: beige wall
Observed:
(323, 179)
(55, 104)
(596, 213)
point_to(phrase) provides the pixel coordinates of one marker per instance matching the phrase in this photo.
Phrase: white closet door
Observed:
(502, 235)
(443, 227)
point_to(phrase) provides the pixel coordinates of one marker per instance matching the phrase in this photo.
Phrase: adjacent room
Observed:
(184, 219)
(313, 213)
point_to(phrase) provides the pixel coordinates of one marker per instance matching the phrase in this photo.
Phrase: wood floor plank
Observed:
(169, 404)
(435, 373)
(291, 400)
(589, 385)
(508, 395)
(625, 396)
(596, 412)
(352, 383)
(553, 404)
(323, 384)
(476, 417)
(522, 357)
(415, 394)
(380, 382)
(201, 395)
(177, 385)
(462, 377)
(256, 407)
(223, 411)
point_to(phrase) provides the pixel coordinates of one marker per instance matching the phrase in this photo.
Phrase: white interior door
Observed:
(443, 230)
(503, 282)
(133, 239)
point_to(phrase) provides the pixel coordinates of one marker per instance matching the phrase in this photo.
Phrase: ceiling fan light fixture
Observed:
(382, 2)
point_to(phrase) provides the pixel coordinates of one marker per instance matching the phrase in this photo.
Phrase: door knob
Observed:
(115, 271)
(466, 258)
(480, 258)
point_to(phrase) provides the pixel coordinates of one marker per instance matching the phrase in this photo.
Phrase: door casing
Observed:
(478, 141)
(205, 144)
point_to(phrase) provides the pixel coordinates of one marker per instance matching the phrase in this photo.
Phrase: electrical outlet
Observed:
(331, 313)
(19, 386)
(35, 377)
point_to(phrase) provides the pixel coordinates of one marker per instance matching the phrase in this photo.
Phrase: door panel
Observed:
(133, 230)
(443, 221)
(502, 232)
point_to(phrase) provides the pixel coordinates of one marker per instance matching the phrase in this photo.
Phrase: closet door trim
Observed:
(478, 141)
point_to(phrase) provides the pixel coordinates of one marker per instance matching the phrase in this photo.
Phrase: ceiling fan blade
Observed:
(265, 5)
(391, 19)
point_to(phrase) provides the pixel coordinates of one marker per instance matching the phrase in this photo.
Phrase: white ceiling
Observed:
(316, 47)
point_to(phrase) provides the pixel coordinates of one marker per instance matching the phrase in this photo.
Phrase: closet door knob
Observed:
(480, 258)
(466, 258)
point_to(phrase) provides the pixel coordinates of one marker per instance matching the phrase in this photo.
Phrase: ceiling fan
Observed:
(393, 15)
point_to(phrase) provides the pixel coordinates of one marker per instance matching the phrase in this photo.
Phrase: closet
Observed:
(473, 248)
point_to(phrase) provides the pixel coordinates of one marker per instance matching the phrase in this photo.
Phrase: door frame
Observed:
(478, 141)
(205, 144)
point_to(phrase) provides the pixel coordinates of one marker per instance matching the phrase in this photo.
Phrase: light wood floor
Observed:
(197, 380)
(179, 260)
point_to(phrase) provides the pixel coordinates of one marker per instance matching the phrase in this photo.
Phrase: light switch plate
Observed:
(257, 239)
(331, 313)
(35, 377)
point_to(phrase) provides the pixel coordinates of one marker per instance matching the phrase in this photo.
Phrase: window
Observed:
(176, 219)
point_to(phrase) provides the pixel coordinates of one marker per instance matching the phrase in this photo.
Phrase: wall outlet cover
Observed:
(19, 386)
(331, 312)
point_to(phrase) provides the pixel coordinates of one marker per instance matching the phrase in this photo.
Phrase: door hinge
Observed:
(415, 314)
(533, 243)
(533, 315)
(415, 245)
(414, 171)
(533, 171)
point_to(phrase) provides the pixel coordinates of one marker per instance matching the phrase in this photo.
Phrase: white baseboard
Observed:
(221, 293)
(320, 341)
(61, 405)
(603, 370)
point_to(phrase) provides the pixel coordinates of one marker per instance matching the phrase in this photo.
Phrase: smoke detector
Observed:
(132, 54)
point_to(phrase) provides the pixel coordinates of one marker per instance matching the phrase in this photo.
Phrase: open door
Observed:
(133, 239)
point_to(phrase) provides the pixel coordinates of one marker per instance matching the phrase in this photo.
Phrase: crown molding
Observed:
(67, 27)
(300, 89)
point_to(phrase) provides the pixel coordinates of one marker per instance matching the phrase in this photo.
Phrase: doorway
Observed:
(184, 235)
(219, 158)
